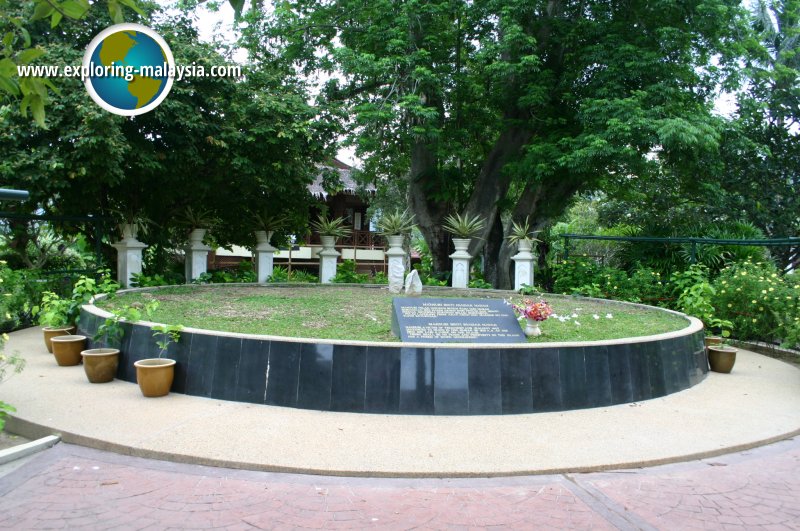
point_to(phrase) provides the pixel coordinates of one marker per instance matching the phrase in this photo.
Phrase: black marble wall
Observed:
(422, 381)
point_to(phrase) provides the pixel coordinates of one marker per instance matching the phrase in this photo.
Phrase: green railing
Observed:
(694, 242)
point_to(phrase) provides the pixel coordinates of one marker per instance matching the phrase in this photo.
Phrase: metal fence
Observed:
(695, 243)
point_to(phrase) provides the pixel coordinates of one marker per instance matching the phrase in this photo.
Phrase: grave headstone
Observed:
(443, 320)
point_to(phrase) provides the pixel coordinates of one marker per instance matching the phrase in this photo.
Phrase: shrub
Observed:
(761, 303)
(13, 363)
(694, 297)
(243, 273)
(281, 274)
(346, 274)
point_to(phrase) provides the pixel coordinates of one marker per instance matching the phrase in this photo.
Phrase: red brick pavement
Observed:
(70, 487)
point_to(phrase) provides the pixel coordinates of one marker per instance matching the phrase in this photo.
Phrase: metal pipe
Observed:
(13, 195)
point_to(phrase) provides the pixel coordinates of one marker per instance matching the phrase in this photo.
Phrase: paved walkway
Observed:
(72, 487)
(757, 403)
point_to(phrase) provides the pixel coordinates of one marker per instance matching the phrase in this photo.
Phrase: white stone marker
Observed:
(264, 255)
(327, 259)
(523, 265)
(129, 256)
(196, 254)
(461, 260)
(397, 266)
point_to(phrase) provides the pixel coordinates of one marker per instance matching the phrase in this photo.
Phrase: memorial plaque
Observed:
(455, 321)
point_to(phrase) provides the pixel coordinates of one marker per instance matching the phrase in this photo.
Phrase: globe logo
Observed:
(128, 69)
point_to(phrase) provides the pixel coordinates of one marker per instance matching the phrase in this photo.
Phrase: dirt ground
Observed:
(7, 440)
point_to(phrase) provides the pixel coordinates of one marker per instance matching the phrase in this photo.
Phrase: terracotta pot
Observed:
(100, 364)
(155, 375)
(67, 349)
(713, 340)
(52, 331)
(721, 358)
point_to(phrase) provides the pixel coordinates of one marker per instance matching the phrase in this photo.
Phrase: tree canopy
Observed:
(230, 145)
(507, 108)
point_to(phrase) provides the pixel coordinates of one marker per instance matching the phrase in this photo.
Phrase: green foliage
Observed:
(331, 227)
(244, 273)
(8, 362)
(54, 310)
(198, 218)
(346, 274)
(463, 226)
(166, 335)
(479, 283)
(758, 300)
(90, 162)
(425, 267)
(395, 223)
(140, 280)
(695, 297)
(281, 274)
(587, 278)
(528, 290)
(380, 278)
(111, 331)
(19, 289)
(521, 232)
(512, 107)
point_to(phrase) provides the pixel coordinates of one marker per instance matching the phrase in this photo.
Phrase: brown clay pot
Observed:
(67, 349)
(100, 364)
(713, 340)
(721, 358)
(52, 331)
(155, 375)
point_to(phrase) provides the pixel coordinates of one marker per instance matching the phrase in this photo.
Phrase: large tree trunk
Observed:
(429, 214)
(539, 203)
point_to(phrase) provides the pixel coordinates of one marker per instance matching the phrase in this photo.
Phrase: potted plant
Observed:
(67, 349)
(395, 226)
(533, 313)
(463, 228)
(330, 230)
(522, 235)
(266, 225)
(721, 357)
(100, 364)
(198, 222)
(132, 223)
(155, 375)
(54, 316)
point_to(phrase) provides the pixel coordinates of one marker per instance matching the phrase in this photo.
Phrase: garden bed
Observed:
(364, 313)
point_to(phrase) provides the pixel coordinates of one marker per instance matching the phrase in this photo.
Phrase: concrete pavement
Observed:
(754, 405)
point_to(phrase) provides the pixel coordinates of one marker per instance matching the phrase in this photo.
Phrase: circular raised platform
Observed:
(419, 378)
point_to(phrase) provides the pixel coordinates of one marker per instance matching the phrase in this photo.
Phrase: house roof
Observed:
(349, 185)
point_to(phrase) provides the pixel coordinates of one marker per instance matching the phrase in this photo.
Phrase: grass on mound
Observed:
(365, 313)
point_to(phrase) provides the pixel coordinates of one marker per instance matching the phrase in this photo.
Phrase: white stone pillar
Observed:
(461, 259)
(264, 255)
(196, 254)
(327, 259)
(129, 257)
(523, 265)
(397, 263)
